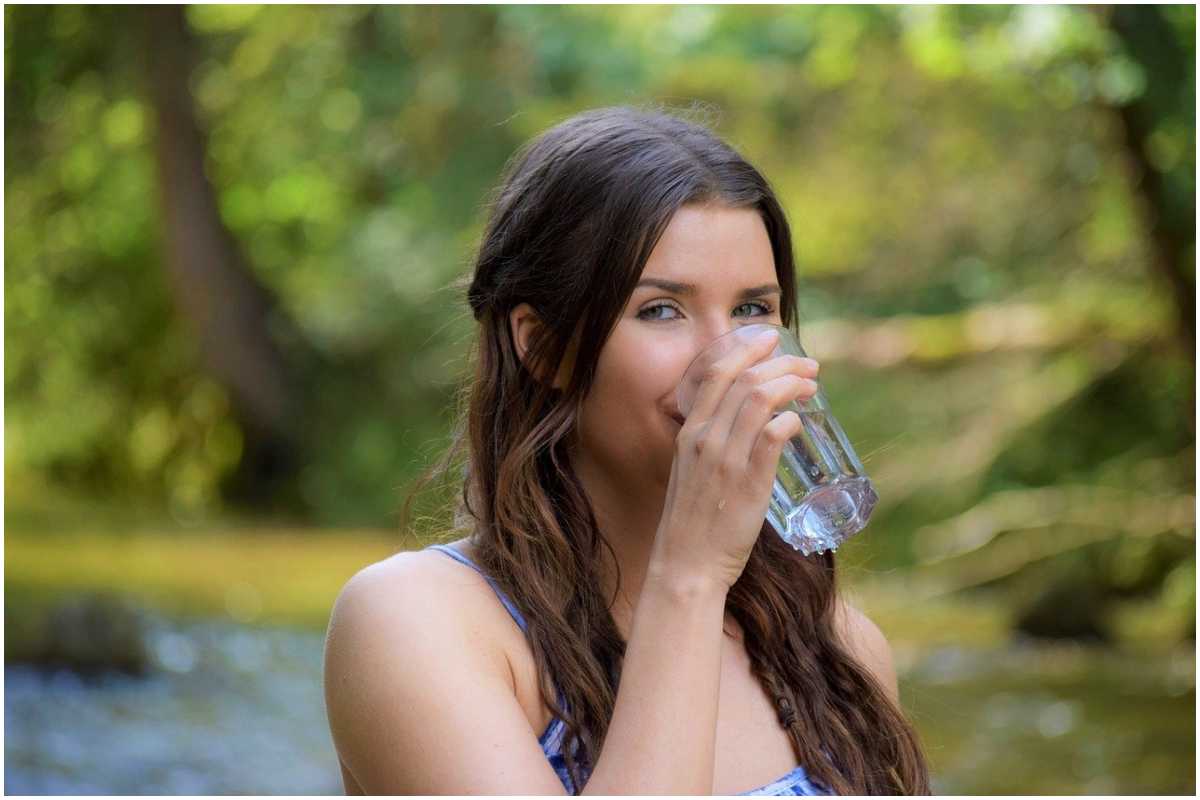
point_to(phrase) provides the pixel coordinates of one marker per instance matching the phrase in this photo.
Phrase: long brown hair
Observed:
(570, 228)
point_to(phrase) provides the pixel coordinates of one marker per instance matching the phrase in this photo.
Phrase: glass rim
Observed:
(733, 333)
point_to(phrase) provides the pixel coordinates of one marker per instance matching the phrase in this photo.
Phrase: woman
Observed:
(618, 591)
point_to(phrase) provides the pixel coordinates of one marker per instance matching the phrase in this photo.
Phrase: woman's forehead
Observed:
(709, 245)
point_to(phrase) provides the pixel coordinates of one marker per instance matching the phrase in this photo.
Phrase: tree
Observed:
(230, 311)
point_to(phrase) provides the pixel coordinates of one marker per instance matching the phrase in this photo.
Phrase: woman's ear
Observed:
(525, 326)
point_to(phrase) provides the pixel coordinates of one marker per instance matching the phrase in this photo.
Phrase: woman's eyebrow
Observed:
(690, 288)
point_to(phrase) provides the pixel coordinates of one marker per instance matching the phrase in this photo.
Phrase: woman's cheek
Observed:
(663, 357)
(643, 364)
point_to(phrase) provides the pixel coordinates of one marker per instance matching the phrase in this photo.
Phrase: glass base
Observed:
(826, 517)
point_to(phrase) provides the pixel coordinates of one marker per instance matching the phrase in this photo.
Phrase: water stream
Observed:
(237, 710)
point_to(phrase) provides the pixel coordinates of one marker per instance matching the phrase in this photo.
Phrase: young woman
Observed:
(619, 618)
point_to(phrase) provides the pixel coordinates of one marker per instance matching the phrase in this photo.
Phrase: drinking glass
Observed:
(822, 494)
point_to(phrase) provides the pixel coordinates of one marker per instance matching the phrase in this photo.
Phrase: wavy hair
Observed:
(570, 228)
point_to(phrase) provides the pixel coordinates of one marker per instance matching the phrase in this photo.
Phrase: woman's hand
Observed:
(726, 455)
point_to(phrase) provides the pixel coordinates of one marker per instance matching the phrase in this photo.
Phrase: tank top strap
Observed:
(463, 559)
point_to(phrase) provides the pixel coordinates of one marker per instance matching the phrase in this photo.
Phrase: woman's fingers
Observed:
(755, 388)
(721, 374)
(786, 364)
(764, 458)
(760, 404)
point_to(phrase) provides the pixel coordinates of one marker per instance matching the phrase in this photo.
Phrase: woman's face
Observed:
(711, 272)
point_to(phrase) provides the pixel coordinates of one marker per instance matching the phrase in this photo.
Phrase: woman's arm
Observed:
(419, 702)
(662, 737)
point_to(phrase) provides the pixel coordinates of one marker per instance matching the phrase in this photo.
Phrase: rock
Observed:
(1066, 609)
(88, 633)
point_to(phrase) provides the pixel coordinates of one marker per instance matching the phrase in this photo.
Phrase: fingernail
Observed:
(811, 363)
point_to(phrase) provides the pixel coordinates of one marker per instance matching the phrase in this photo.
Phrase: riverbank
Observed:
(231, 702)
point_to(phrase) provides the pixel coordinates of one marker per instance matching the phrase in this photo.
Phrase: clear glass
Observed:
(822, 494)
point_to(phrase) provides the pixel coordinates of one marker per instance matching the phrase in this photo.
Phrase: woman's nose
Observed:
(713, 330)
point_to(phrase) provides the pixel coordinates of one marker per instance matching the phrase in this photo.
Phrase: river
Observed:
(237, 710)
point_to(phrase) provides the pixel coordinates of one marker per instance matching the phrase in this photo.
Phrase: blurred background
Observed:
(231, 348)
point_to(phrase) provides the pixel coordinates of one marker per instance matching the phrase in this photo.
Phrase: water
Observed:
(227, 710)
(244, 714)
(821, 494)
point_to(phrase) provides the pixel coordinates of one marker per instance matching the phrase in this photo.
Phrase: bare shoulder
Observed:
(415, 655)
(415, 595)
(390, 591)
(867, 643)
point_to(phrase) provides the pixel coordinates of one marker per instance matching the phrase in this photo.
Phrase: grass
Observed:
(292, 576)
(275, 577)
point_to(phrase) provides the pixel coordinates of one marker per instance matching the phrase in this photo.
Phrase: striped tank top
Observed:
(796, 782)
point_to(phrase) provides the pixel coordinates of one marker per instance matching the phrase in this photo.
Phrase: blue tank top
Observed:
(796, 782)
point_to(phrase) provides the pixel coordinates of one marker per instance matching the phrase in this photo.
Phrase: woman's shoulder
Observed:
(867, 643)
(413, 612)
(416, 649)
(418, 589)
(422, 567)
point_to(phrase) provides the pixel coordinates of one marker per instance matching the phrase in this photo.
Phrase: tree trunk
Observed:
(214, 290)
(1147, 37)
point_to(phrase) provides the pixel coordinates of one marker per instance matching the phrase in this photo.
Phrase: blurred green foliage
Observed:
(979, 267)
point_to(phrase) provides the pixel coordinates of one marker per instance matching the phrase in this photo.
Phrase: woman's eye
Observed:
(645, 313)
(763, 307)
